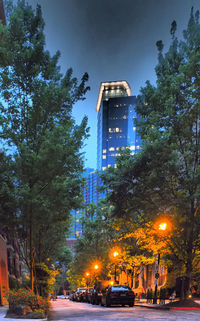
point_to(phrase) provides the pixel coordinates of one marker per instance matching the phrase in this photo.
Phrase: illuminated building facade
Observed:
(116, 126)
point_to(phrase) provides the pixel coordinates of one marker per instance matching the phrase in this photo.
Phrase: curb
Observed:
(156, 307)
(186, 308)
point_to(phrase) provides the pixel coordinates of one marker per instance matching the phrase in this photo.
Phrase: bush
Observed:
(37, 314)
(24, 297)
(43, 276)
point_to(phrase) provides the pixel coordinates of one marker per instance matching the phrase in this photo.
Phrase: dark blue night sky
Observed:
(111, 40)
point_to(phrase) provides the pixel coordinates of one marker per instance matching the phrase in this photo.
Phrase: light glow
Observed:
(162, 226)
(115, 253)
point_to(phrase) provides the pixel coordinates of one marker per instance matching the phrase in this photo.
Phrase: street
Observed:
(75, 311)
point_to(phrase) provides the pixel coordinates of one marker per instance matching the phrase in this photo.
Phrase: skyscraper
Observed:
(116, 128)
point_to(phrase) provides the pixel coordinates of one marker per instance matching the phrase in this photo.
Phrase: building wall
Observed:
(116, 127)
(144, 280)
(3, 271)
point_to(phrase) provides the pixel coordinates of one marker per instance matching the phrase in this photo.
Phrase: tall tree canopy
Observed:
(164, 177)
(38, 130)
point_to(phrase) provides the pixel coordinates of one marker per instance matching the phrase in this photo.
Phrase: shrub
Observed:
(37, 314)
(28, 298)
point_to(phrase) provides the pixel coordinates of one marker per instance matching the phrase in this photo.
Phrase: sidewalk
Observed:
(3, 311)
(142, 303)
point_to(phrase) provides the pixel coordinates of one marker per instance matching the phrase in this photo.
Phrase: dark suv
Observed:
(119, 294)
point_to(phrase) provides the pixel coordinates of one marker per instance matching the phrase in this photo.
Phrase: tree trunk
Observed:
(31, 257)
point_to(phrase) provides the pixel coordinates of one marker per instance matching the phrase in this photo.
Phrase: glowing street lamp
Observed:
(161, 227)
(96, 267)
(115, 254)
(87, 274)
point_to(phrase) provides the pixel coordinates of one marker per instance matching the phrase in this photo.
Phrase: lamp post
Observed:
(162, 227)
(87, 275)
(115, 255)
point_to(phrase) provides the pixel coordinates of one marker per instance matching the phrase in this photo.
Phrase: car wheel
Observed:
(131, 305)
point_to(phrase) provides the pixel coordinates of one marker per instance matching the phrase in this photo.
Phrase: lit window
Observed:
(117, 130)
(124, 117)
(134, 128)
(109, 165)
(138, 146)
(132, 147)
(103, 168)
(117, 148)
(111, 149)
(132, 153)
(104, 151)
(115, 166)
(104, 157)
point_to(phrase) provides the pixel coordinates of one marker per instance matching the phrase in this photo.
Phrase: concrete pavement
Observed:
(64, 310)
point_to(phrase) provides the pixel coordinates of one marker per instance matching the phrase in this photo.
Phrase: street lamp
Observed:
(87, 274)
(115, 254)
(96, 267)
(161, 227)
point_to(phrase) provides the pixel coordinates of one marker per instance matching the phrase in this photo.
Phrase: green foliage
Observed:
(42, 278)
(37, 127)
(97, 239)
(163, 179)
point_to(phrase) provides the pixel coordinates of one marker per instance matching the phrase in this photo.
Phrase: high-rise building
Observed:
(90, 196)
(116, 129)
(116, 126)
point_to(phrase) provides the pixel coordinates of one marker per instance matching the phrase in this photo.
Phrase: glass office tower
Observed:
(116, 126)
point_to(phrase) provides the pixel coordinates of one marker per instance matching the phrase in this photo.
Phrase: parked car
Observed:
(119, 294)
(72, 296)
(79, 294)
(86, 296)
(95, 296)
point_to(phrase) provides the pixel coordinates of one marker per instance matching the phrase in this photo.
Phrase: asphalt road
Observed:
(64, 310)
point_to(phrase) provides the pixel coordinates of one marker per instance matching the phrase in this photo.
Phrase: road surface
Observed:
(64, 310)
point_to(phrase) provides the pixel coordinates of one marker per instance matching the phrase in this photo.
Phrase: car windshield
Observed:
(120, 288)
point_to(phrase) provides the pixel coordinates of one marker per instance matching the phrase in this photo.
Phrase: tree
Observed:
(7, 199)
(37, 126)
(165, 176)
(93, 246)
